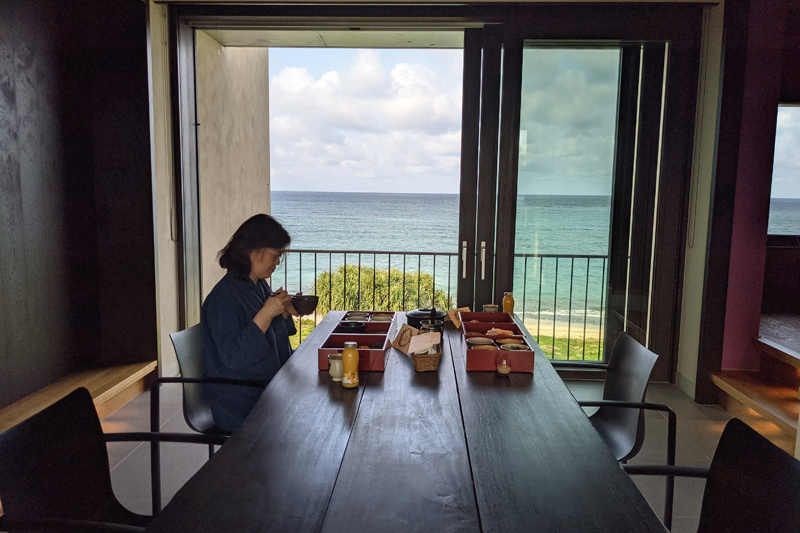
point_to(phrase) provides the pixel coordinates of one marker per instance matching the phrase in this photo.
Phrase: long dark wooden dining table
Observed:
(411, 451)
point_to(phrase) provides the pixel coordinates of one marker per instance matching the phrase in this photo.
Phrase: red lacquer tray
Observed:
(464, 316)
(372, 359)
(484, 360)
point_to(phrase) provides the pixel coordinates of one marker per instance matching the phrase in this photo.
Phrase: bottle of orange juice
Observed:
(508, 303)
(350, 364)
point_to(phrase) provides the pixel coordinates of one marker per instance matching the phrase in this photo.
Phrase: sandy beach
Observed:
(563, 329)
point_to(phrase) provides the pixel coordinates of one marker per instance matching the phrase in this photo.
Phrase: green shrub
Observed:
(417, 291)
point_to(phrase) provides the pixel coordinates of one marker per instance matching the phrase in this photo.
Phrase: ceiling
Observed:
(338, 38)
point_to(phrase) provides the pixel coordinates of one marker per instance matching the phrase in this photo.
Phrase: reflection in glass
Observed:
(567, 135)
(784, 207)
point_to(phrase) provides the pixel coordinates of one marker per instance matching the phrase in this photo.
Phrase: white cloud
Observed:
(568, 111)
(368, 127)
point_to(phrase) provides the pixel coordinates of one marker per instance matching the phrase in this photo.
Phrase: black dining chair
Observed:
(620, 419)
(54, 470)
(752, 485)
(188, 346)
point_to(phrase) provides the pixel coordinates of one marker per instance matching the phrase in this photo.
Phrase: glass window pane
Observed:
(567, 135)
(784, 208)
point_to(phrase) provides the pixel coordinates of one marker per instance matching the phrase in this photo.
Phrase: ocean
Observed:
(784, 216)
(429, 222)
(545, 288)
(554, 290)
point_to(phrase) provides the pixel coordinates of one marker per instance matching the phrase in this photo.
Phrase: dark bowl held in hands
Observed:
(305, 304)
(352, 327)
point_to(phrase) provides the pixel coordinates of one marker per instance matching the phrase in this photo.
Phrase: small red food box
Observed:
(485, 360)
(483, 327)
(465, 317)
(372, 359)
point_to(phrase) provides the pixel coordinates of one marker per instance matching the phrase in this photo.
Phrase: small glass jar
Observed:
(503, 364)
(335, 368)
(432, 326)
(427, 326)
(508, 303)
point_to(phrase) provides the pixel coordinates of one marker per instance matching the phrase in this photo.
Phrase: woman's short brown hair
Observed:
(256, 233)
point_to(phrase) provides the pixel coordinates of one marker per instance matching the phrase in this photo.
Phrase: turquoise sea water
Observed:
(546, 289)
(429, 222)
(372, 222)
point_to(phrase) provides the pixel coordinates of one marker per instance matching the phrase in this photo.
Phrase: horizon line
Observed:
(426, 193)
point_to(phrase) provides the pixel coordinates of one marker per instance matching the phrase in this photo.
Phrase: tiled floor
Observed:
(699, 429)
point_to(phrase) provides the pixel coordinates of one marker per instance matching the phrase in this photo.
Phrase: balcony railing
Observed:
(559, 297)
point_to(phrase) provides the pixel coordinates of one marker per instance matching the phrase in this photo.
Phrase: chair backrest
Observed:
(629, 367)
(752, 485)
(188, 346)
(55, 465)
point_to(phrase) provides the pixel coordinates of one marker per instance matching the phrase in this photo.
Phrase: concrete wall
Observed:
(161, 154)
(699, 202)
(233, 144)
(239, 178)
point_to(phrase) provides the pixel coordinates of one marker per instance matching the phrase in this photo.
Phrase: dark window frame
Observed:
(680, 24)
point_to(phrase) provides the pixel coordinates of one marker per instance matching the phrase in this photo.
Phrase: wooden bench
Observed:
(110, 387)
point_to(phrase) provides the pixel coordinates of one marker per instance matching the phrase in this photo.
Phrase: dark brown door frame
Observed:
(621, 193)
(487, 165)
(184, 117)
(509, 160)
(468, 196)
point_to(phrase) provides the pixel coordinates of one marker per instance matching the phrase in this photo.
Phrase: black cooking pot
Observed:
(413, 317)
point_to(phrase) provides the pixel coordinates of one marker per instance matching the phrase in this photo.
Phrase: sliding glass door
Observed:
(580, 180)
(568, 125)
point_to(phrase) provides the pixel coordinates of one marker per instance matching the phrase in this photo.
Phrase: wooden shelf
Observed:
(779, 351)
(779, 405)
(110, 387)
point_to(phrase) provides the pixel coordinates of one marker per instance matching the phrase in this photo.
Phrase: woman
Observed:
(246, 326)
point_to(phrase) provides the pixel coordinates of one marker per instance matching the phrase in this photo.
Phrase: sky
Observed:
(390, 121)
(567, 121)
(786, 166)
(365, 120)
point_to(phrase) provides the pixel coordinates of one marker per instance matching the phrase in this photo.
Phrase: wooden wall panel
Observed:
(74, 135)
(123, 202)
(35, 64)
(12, 281)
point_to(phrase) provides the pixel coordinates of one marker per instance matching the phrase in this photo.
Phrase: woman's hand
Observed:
(289, 308)
(274, 305)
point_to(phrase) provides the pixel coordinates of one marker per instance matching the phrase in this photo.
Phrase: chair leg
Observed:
(670, 481)
(155, 449)
(210, 451)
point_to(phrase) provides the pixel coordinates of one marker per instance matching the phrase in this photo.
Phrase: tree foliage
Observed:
(344, 290)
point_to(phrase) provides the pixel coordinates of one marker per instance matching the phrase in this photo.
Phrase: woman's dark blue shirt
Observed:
(234, 347)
